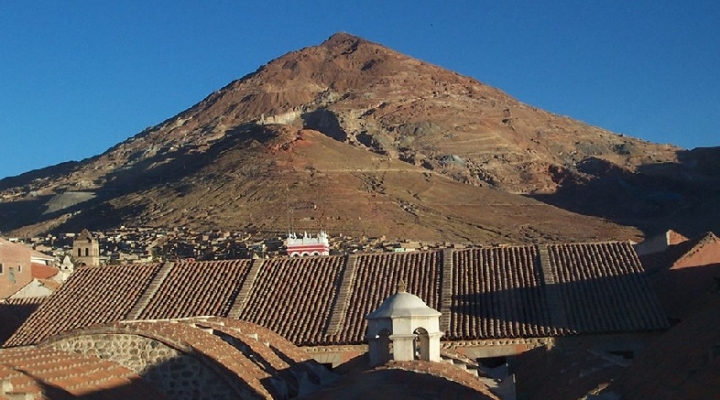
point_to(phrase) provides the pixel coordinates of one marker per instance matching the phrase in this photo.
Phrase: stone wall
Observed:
(179, 375)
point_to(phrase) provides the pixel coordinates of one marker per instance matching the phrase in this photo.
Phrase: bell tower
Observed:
(86, 249)
(406, 322)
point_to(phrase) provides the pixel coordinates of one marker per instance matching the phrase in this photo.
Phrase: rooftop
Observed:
(502, 292)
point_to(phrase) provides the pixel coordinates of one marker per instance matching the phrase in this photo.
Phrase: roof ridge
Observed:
(695, 244)
(244, 292)
(150, 291)
(553, 297)
(342, 300)
(446, 276)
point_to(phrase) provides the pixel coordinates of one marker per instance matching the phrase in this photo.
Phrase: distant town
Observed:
(137, 245)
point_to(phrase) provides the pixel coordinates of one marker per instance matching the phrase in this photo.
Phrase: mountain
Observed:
(353, 137)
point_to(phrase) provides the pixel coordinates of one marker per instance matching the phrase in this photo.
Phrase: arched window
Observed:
(422, 344)
(383, 341)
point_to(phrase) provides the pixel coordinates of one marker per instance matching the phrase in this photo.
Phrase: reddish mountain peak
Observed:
(373, 105)
(343, 39)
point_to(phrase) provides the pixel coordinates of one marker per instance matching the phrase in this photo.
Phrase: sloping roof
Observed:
(375, 279)
(92, 295)
(683, 274)
(250, 359)
(665, 260)
(41, 256)
(85, 235)
(564, 373)
(55, 374)
(603, 289)
(13, 312)
(408, 380)
(294, 297)
(42, 271)
(504, 292)
(197, 288)
(499, 292)
(674, 237)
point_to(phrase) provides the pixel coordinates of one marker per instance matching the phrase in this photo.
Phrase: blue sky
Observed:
(77, 77)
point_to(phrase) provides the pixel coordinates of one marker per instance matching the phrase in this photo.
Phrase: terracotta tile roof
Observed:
(269, 350)
(14, 312)
(245, 356)
(408, 380)
(603, 289)
(683, 274)
(294, 297)
(50, 284)
(284, 346)
(564, 373)
(376, 278)
(665, 260)
(56, 374)
(208, 346)
(92, 295)
(498, 292)
(42, 271)
(504, 292)
(674, 237)
(197, 288)
(34, 301)
(443, 370)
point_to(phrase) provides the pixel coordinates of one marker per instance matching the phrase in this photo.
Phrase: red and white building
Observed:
(307, 245)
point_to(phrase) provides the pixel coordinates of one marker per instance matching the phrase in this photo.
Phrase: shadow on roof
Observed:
(622, 303)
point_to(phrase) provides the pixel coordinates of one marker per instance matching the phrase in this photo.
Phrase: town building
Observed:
(494, 302)
(684, 274)
(27, 277)
(307, 245)
(15, 267)
(86, 249)
(659, 243)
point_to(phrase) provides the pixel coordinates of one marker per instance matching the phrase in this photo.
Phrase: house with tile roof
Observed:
(659, 243)
(15, 270)
(684, 274)
(26, 278)
(494, 302)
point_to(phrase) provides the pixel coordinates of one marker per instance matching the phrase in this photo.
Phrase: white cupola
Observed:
(412, 327)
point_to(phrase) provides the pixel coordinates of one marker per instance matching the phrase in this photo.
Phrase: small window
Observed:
(1, 268)
(19, 269)
(87, 252)
(79, 252)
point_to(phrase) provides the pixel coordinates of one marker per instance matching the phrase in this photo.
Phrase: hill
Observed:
(352, 136)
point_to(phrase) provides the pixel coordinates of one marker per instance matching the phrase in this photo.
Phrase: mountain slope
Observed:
(383, 117)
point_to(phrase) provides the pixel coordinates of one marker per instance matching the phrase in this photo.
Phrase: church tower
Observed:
(412, 327)
(86, 249)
